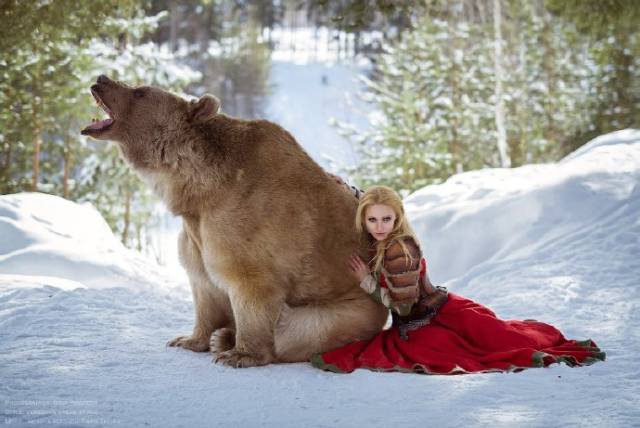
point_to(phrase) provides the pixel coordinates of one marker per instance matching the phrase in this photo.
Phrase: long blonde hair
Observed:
(383, 195)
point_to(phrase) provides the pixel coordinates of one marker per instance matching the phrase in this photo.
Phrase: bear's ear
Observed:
(203, 108)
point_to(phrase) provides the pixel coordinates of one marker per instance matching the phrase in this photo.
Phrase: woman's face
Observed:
(379, 220)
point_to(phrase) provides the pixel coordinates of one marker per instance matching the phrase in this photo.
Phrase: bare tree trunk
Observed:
(173, 29)
(139, 236)
(315, 43)
(65, 177)
(505, 162)
(292, 31)
(37, 142)
(453, 75)
(481, 12)
(127, 216)
(37, 134)
(622, 61)
(551, 132)
(5, 173)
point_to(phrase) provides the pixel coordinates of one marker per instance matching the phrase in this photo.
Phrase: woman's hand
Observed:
(359, 269)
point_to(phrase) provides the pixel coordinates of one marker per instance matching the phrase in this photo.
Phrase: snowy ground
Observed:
(84, 322)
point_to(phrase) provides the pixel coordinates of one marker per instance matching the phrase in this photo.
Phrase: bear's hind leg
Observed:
(306, 330)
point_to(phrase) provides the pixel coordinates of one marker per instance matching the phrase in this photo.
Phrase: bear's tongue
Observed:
(100, 124)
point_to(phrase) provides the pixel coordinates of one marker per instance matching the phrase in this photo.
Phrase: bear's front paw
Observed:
(195, 344)
(239, 359)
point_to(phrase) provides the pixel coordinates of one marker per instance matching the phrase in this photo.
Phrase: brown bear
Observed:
(266, 232)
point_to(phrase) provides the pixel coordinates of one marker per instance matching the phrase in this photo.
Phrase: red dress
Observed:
(461, 337)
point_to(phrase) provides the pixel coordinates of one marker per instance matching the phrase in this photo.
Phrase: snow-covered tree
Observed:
(431, 93)
(40, 61)
(547, 83)
(46, 71)
(436, 109)
(611, 27)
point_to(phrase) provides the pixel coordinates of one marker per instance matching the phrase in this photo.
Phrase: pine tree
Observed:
(611, 29)
(39, 44)
(547, 87)
(430, 93)
(435, 102)
(51, 53)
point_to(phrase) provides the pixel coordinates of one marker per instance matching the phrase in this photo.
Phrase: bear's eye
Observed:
(138, 93)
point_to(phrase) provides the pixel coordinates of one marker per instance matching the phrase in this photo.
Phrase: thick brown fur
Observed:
(266, 233)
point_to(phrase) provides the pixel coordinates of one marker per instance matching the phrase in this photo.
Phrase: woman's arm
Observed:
(375, 291)
(368, 283)
(401, 264)
(403, 270)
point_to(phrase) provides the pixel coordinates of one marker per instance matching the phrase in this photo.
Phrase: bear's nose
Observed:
(103, 79)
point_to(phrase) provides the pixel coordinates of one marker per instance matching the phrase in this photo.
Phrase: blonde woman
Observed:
(435, 331)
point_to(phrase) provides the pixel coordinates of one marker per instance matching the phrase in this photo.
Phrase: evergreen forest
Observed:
(453, 85)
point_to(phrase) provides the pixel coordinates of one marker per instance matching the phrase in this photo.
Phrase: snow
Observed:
(84, 321)
(51, 237)
(306, 97)
(314, 83)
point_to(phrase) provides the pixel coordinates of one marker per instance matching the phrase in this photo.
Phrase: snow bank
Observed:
(48, 236)
(83, 321)
(495, 214)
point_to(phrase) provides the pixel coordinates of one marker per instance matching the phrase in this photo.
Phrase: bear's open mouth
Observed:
(99, 125)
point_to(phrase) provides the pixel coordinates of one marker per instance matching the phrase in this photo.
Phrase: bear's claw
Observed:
(223, 339)
(194, 344)
(238, 359)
